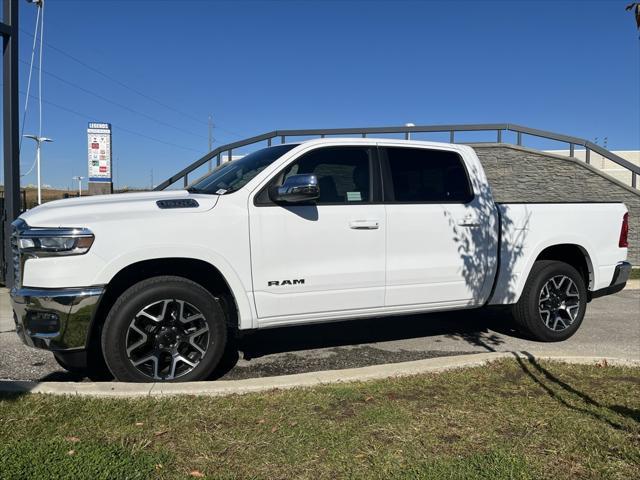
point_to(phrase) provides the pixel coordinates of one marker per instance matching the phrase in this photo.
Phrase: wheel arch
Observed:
(572, 254)
(511, 280)
(202, 272)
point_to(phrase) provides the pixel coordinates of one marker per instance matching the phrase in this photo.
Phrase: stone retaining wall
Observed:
(518, 174)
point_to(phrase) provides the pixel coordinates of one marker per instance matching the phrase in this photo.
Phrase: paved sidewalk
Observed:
(611, 329)
(633, 284)
(6, 316)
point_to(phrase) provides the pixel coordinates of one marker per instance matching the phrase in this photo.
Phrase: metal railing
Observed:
(497, 128)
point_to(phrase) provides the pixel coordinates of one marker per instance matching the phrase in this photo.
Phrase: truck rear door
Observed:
(440, 240)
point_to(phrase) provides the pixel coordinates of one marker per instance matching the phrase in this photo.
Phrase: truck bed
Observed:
(527, 229)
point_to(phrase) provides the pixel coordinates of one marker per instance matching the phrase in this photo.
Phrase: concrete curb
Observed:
(633, 284)
(231, 387)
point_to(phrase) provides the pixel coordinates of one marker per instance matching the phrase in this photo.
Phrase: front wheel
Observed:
(164, 329)
(553, 302)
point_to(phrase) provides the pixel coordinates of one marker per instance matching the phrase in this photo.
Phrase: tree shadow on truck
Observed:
(478, 247)
(494, 243)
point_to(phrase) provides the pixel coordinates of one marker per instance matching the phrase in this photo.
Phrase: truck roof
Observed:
(375, 140)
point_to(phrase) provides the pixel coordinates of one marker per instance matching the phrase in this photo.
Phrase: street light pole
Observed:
(39, 141)
(408, 134)
(79, 179)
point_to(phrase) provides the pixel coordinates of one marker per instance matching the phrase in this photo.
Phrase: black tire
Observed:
(168, 292)
(531, 315)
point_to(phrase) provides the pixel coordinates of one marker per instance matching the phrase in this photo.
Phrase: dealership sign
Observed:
(99, 142)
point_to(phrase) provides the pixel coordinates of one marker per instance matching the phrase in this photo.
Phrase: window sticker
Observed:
(354, 197)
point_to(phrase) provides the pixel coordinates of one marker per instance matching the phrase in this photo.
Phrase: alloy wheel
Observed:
(559, 303)
(167, 339)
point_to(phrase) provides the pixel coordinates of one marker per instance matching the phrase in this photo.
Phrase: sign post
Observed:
(99, 157)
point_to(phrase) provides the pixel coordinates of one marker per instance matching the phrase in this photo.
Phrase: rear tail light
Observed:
(624, 232)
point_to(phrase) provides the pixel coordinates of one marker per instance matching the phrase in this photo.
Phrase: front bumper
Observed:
(618, 282)
(55, 319)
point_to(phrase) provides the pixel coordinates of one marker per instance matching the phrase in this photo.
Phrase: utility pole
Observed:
(39, 141)
(79, 179)
(210, 137)
(152, 179)
(210, 132)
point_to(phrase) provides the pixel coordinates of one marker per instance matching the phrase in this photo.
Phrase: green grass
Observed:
(511, 419)
(56, 458)
(635, 274)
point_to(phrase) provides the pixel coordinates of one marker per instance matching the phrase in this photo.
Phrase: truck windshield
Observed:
(234, 175)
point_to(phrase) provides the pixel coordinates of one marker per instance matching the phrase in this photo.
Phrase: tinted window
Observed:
(421, 175)
(343, 173)
(234, 175)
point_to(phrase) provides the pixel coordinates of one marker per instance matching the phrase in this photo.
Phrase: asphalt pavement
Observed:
(611, 328)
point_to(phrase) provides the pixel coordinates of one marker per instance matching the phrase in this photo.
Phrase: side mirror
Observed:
(296, 189)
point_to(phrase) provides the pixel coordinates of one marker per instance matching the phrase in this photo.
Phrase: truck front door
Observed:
(326, 257)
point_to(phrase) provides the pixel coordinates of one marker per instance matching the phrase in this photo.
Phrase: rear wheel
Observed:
(164, 329)
(553, 302)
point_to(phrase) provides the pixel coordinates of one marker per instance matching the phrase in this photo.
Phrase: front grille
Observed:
(15, 258)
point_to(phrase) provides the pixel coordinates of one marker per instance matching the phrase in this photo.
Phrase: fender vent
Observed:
(182, 203)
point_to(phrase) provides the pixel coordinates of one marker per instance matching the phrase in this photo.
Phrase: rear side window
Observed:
(421, 175)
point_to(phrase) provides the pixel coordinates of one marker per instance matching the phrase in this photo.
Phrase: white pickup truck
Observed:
(158, 283)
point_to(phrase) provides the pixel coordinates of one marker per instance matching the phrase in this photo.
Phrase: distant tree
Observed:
(635, 8)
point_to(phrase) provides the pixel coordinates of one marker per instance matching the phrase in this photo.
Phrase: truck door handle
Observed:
(469, 221)
(364, 224)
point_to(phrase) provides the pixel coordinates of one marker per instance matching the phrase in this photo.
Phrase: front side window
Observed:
(344, 173)
(421, 175)
(234, 175)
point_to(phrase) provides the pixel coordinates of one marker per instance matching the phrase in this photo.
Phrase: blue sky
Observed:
(571, 67)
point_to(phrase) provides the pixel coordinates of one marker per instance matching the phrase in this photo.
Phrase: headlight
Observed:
(47, 242)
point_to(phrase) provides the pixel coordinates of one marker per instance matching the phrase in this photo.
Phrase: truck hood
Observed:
(84, 211)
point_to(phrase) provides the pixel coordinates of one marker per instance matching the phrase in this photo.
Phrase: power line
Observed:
(124, 85)
(26, 100)
(132, 132)
(115, 80)
(41, 7)
(117, 104)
